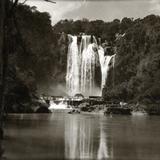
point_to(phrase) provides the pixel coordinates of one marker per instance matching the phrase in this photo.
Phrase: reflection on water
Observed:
(78, 138)
(80, 142)
(65, 136)
(103, 150)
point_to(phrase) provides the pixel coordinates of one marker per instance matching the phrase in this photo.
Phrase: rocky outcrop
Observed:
(43, 109)
(153, 109)
(74, 111)
(117, 110)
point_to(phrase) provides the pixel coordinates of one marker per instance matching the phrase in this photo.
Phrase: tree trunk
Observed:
(2, 37)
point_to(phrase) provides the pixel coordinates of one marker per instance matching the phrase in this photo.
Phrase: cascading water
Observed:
(60, 105)
(81, 65)
(88, 62)
(104, 62)
(72, 78)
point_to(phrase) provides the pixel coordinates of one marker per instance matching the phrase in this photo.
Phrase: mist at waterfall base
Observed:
(58, 89)
(86, 62)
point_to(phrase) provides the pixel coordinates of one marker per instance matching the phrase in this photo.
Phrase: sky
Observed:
(106, 10)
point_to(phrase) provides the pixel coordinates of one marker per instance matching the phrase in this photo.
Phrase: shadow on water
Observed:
(1, 151)
(64, 136)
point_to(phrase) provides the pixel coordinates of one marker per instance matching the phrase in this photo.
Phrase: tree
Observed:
(2, 44)
(8, 25)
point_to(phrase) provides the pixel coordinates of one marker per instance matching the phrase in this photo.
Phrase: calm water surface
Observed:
(64, 136)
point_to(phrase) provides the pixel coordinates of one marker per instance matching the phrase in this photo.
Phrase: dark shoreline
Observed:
(150, 109)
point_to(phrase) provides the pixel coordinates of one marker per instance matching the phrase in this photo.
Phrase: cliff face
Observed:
(136, 74)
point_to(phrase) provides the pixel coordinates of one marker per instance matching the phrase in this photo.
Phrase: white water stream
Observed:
(81, 65)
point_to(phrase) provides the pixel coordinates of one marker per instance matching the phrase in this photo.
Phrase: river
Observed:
(84, 136)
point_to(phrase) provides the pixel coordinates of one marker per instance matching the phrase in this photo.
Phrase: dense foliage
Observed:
(38, 56)
(33, 57)
(41, 43)
(136, 74)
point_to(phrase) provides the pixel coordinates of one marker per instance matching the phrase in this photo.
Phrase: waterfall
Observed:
(82, 58)
(81, 63)
(72, 77)
(88, 60)
(104, 62)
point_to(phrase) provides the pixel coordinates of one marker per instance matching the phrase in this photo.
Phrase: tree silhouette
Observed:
(8, 22)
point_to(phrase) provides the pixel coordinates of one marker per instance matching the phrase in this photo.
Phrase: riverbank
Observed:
(94, 105)
(119, 108)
